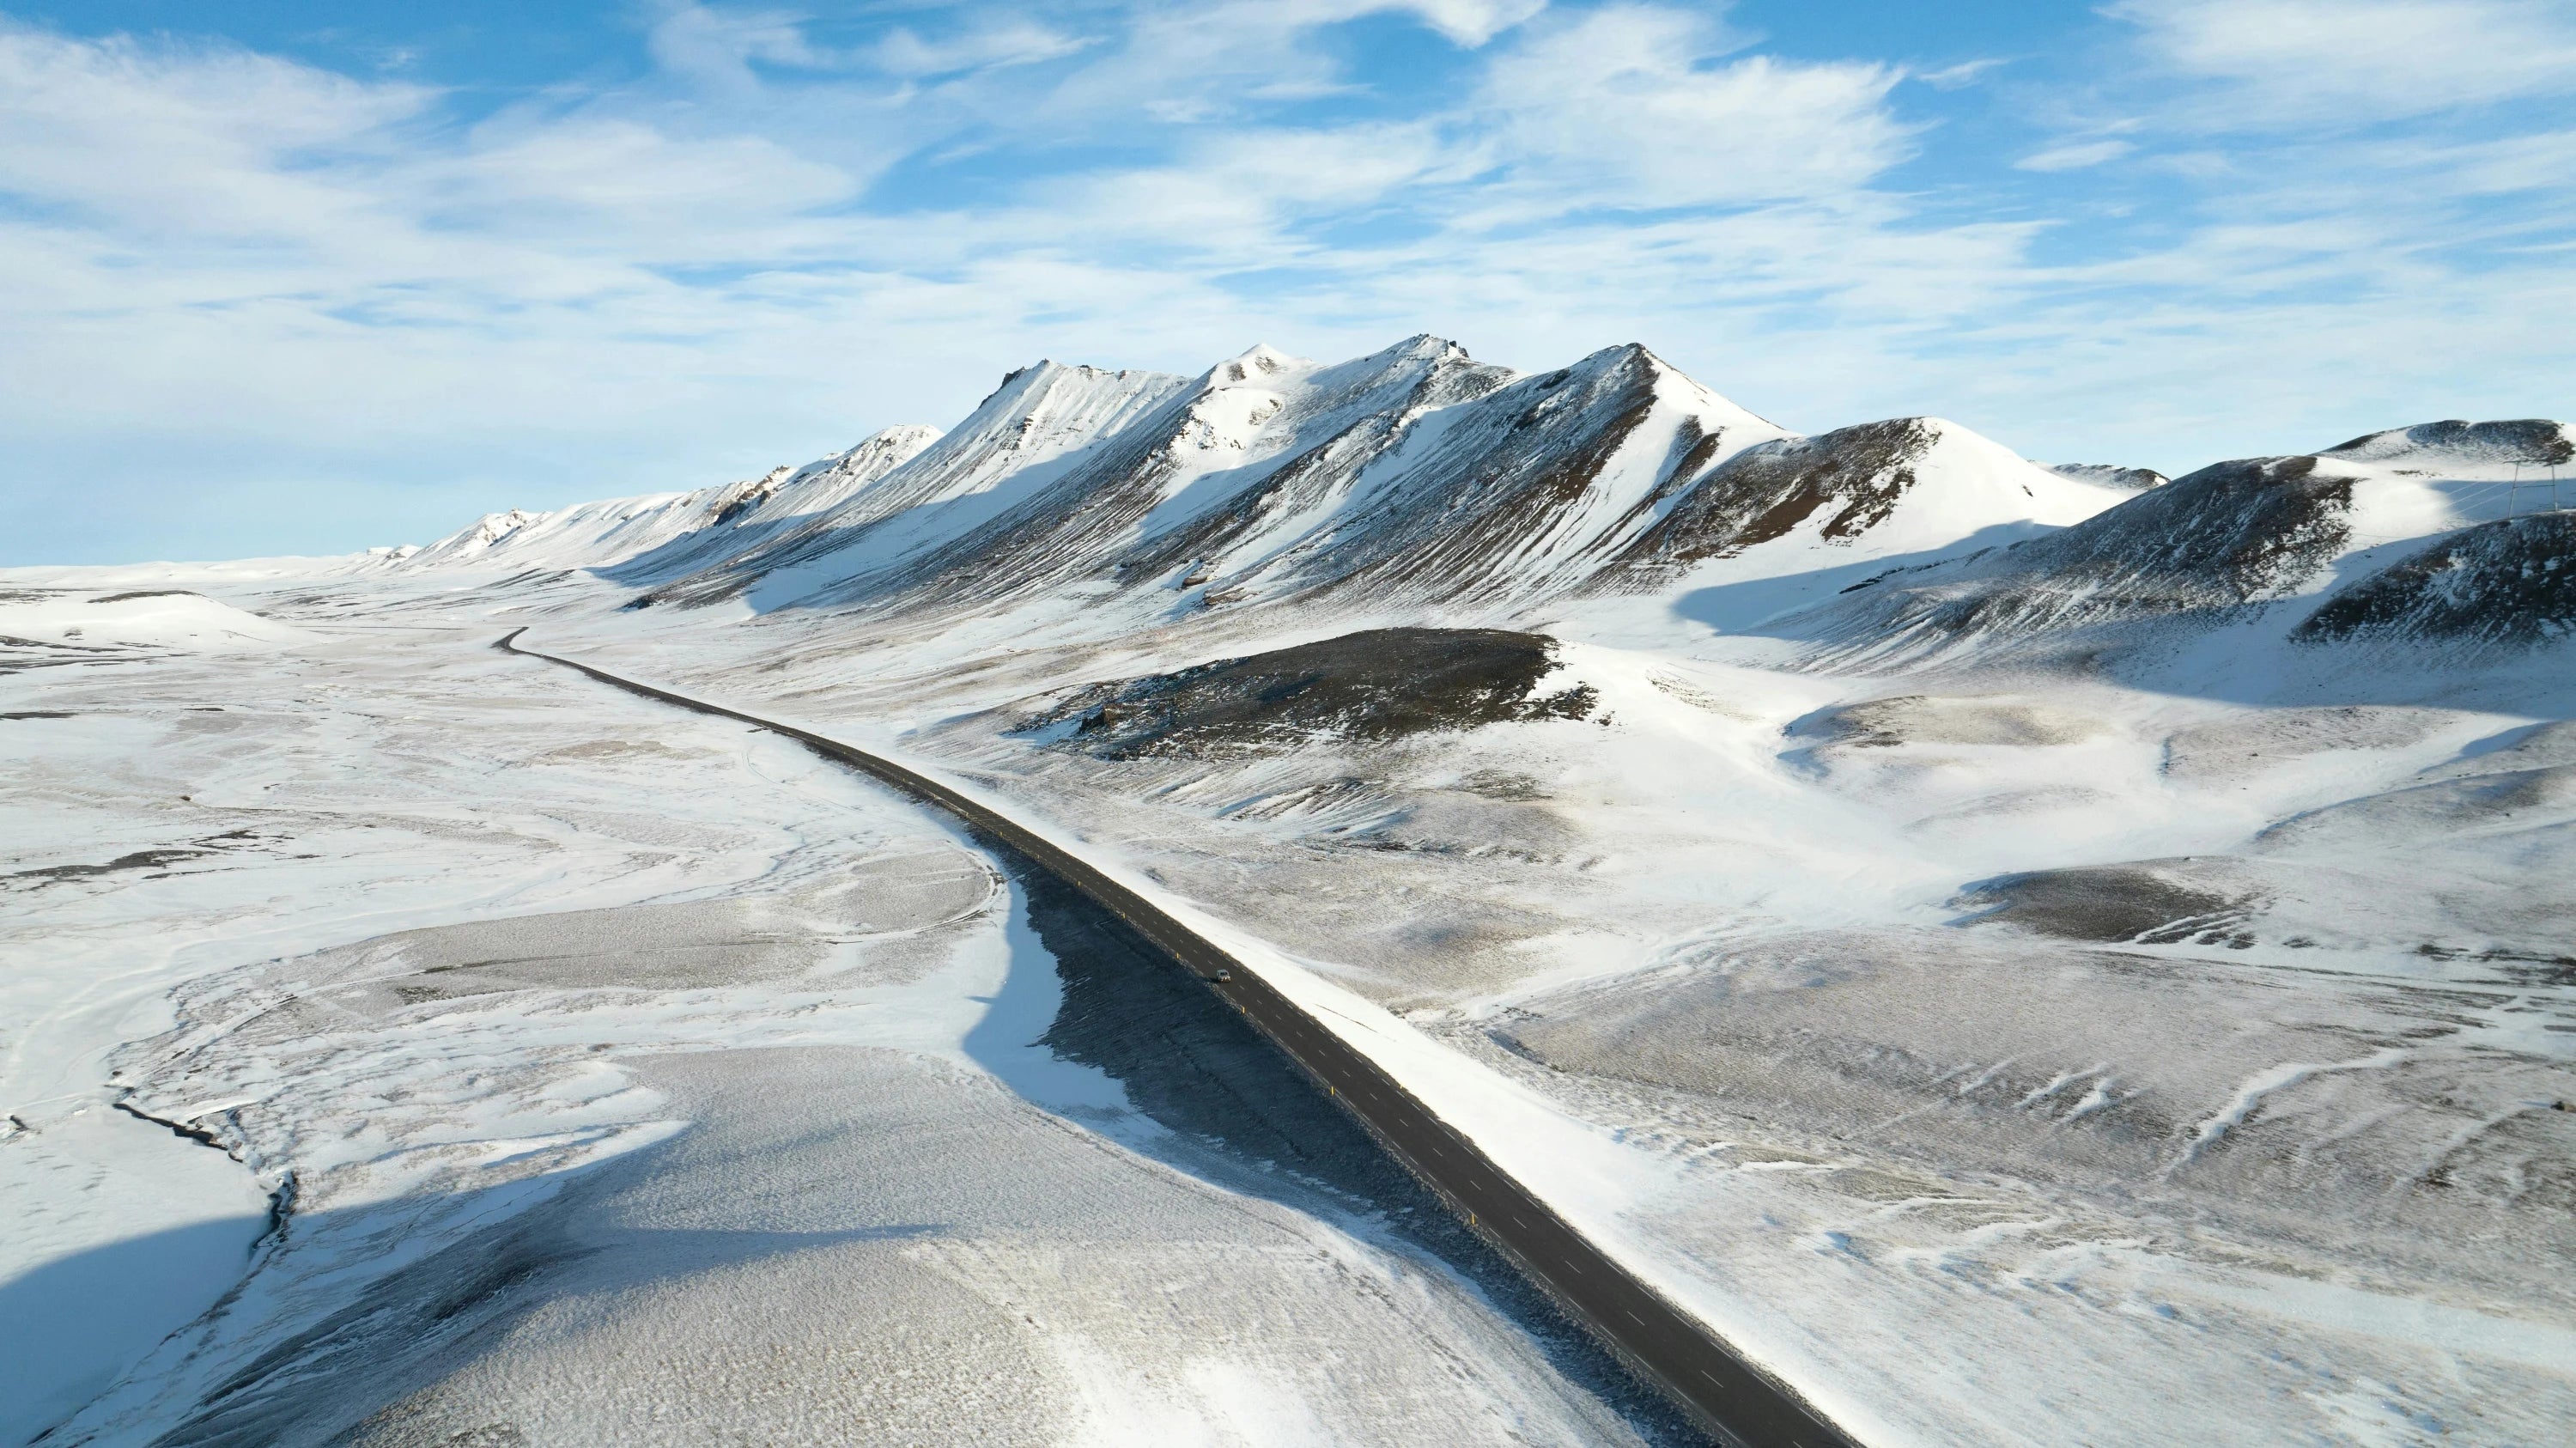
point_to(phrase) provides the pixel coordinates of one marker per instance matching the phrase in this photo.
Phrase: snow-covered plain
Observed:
(614, 1075)
(2030, 955)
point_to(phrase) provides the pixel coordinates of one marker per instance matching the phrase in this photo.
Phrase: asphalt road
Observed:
(1662, 1344)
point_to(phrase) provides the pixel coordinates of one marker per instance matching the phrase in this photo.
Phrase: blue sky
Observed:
(279, 276)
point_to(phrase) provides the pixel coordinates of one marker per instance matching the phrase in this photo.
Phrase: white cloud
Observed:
(1191, 62)
(1232, 197)
(210, 141)
(1965, 73)
(2074, 156)
(531, 174)
(1014, 41)
(716, 48)
(1473, 22)
(2350, 61)
(1627, 107)
(2538, 161)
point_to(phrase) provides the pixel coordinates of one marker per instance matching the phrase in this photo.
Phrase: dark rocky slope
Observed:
(1375, 685)
(2511, 583)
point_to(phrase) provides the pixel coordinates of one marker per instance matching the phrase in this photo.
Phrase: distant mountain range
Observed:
(1419, 482)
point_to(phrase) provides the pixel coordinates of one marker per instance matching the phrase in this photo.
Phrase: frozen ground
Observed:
(407, 1043)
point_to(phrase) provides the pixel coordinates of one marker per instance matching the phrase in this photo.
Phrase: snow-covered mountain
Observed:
(693, 527)
(2352, 541)
(1417, 480)
(1412, 477)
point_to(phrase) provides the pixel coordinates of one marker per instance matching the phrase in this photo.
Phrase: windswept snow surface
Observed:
(70, 622)
(2031, 955)
(410, 1043)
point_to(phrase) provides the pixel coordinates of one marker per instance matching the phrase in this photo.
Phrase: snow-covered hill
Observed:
(675, 529)
(65, 623)
(2258, 539)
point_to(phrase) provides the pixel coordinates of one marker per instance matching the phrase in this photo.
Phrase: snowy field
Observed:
(1997, 1181)
(2008, 1058)
(408, 1043)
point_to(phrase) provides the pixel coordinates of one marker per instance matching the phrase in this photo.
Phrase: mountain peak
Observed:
(903, 434)
(2109, 475)
(1253, 364)
(2516, 442)
(1426, 344)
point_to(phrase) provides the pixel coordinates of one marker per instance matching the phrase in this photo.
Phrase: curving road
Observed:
(1662, 1344)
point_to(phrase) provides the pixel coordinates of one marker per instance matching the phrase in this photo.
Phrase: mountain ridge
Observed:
(1419, 481)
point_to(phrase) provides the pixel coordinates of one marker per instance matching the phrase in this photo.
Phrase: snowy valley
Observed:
(2026, 954)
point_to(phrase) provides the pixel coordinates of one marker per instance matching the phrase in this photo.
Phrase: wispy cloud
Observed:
(1965, 73)
(1633, 107)
(2075, 155)
(1008, 42)
(2343, 62)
